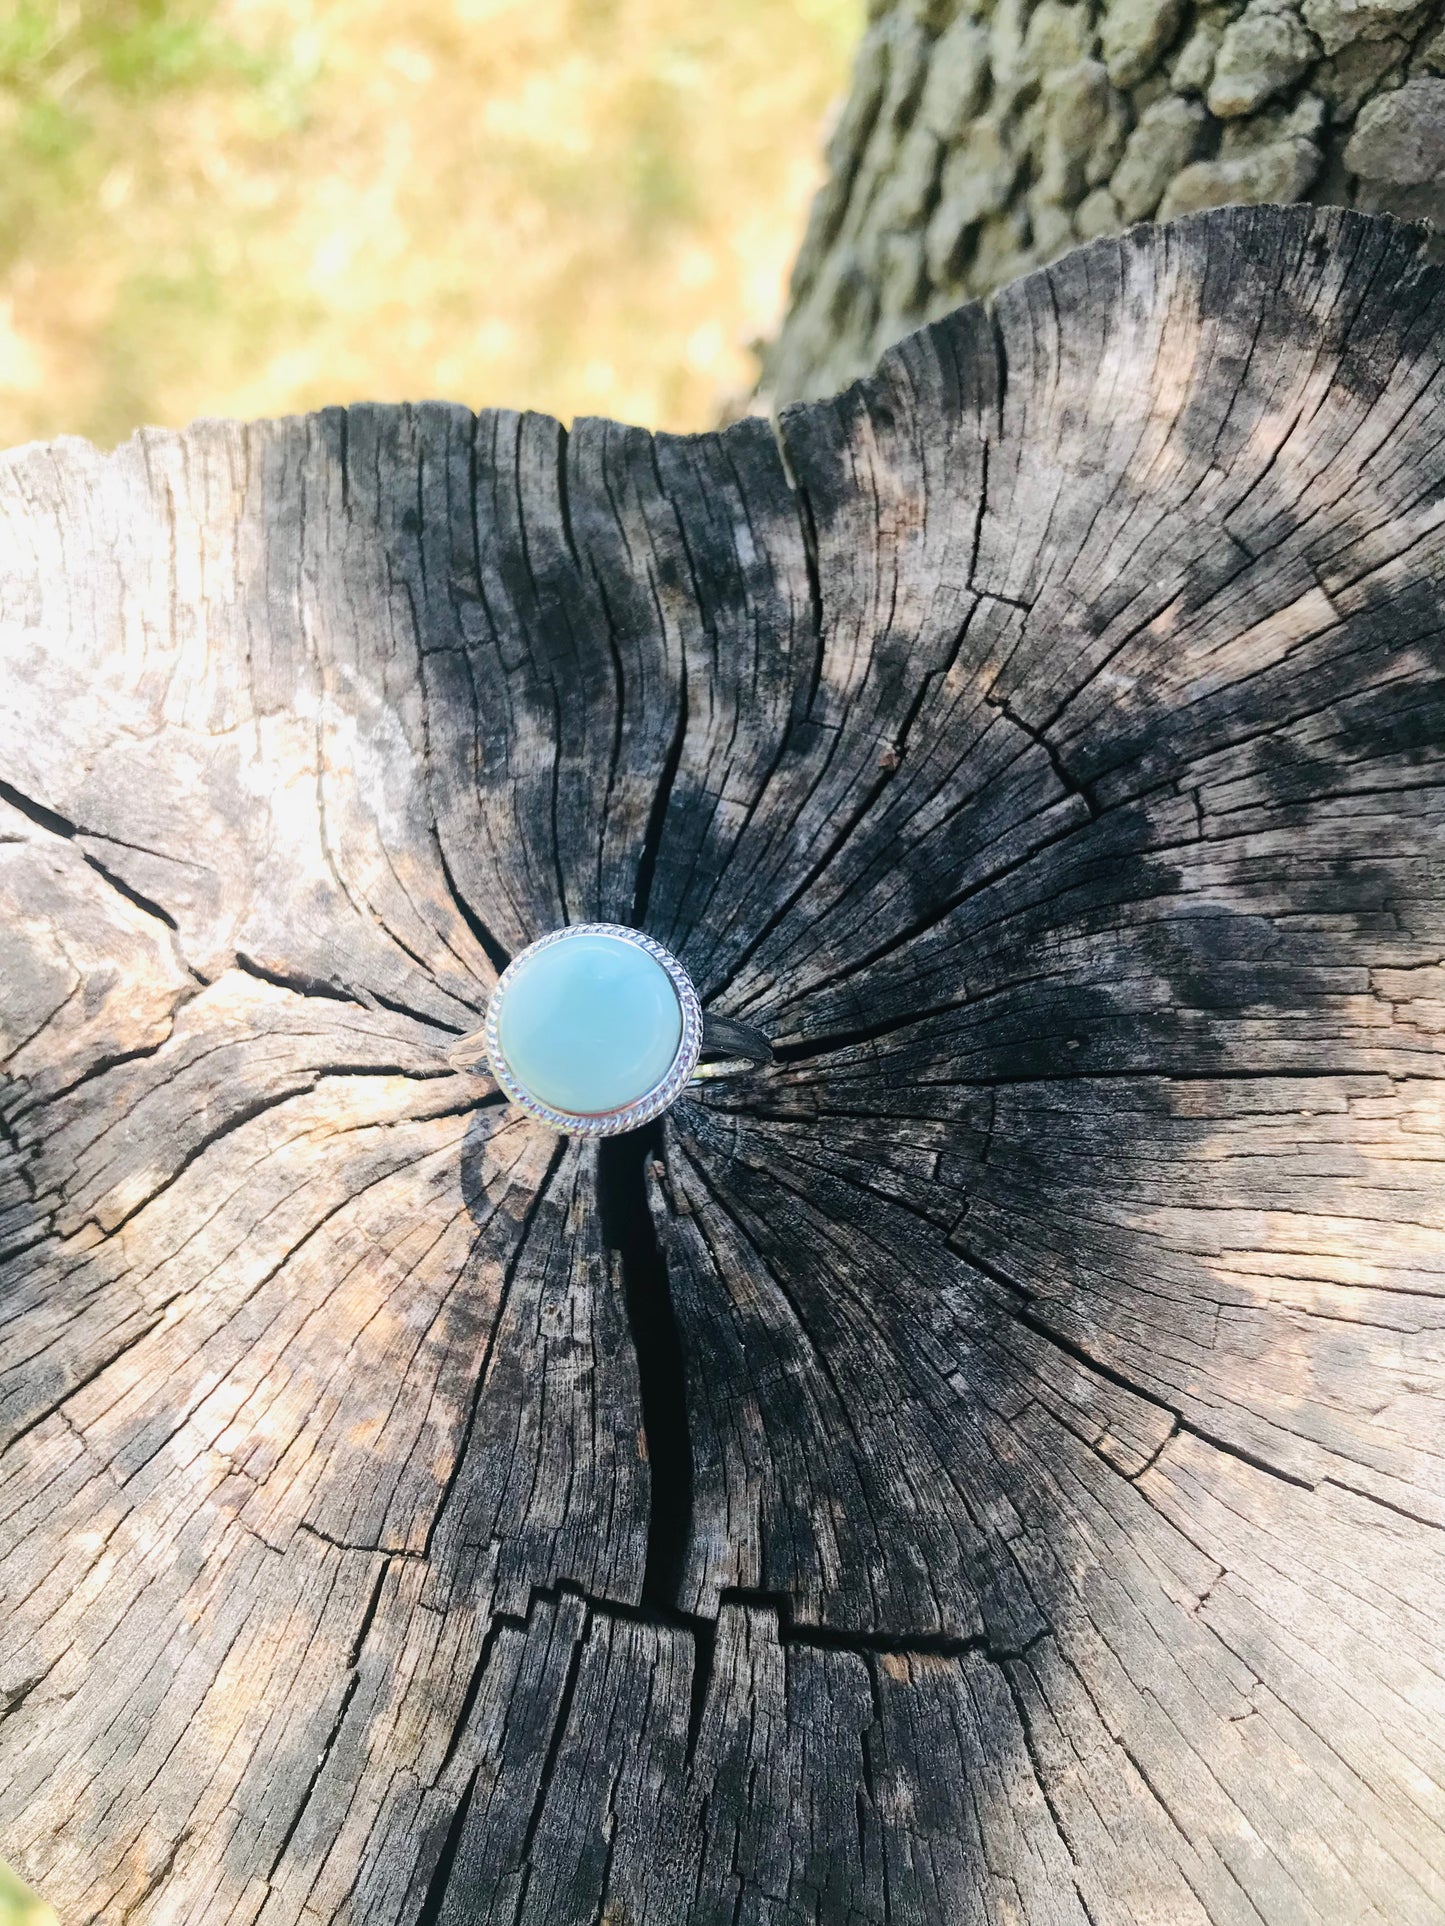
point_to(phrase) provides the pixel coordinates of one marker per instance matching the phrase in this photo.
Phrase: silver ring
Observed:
(738, 1044)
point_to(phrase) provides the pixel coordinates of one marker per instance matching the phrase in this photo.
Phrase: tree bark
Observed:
(983, 138)
(985, 1466)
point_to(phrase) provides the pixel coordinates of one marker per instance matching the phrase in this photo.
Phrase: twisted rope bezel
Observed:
(609, 1123)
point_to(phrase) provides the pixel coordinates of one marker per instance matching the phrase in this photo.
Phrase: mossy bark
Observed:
(984, 138)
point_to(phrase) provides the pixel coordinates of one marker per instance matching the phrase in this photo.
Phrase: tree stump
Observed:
(987, 1465)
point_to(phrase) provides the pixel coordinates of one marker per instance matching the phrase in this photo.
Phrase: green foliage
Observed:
(137, 47)
(18, 1905)
(74, 76)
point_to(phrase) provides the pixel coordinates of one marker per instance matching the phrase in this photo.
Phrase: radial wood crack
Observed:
(628, 1231)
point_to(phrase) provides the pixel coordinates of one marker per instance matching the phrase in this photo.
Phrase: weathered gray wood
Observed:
(985, 1465)
(984, 138)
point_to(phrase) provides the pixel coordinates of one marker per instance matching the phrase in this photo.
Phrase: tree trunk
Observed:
(983, 138)
(985, 1466)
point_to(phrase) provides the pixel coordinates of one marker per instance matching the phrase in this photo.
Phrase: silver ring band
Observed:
(729, 1048)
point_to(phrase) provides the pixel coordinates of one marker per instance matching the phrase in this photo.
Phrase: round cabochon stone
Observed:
(589, 1024)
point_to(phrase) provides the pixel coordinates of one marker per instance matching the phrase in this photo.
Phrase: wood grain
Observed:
(984, 1466)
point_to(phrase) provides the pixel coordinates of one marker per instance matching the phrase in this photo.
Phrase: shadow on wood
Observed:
(984, 1466)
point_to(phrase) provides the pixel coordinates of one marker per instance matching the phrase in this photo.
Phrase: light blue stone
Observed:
(590, 1024)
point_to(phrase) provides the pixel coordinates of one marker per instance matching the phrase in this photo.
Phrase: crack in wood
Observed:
(657, 818)
(38, 813)
(1068, 782)
(1026, 1313)
(339, 1719)
(146, 904)
(479, 1377)
(939, 912)
(1041, 1778)
(49, 819)
(791, 1631)
(157, 1877)
(496, 954)
(549, 1763)
(858, 814)
(306, 985)
(630, 1233)
(441, 1875)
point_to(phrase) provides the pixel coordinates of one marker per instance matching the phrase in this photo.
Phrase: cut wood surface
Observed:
(987, 1466)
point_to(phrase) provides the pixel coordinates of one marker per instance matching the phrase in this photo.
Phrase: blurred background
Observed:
(249, 207)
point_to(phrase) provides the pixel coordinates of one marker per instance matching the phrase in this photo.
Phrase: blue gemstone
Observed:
(589, 1024)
